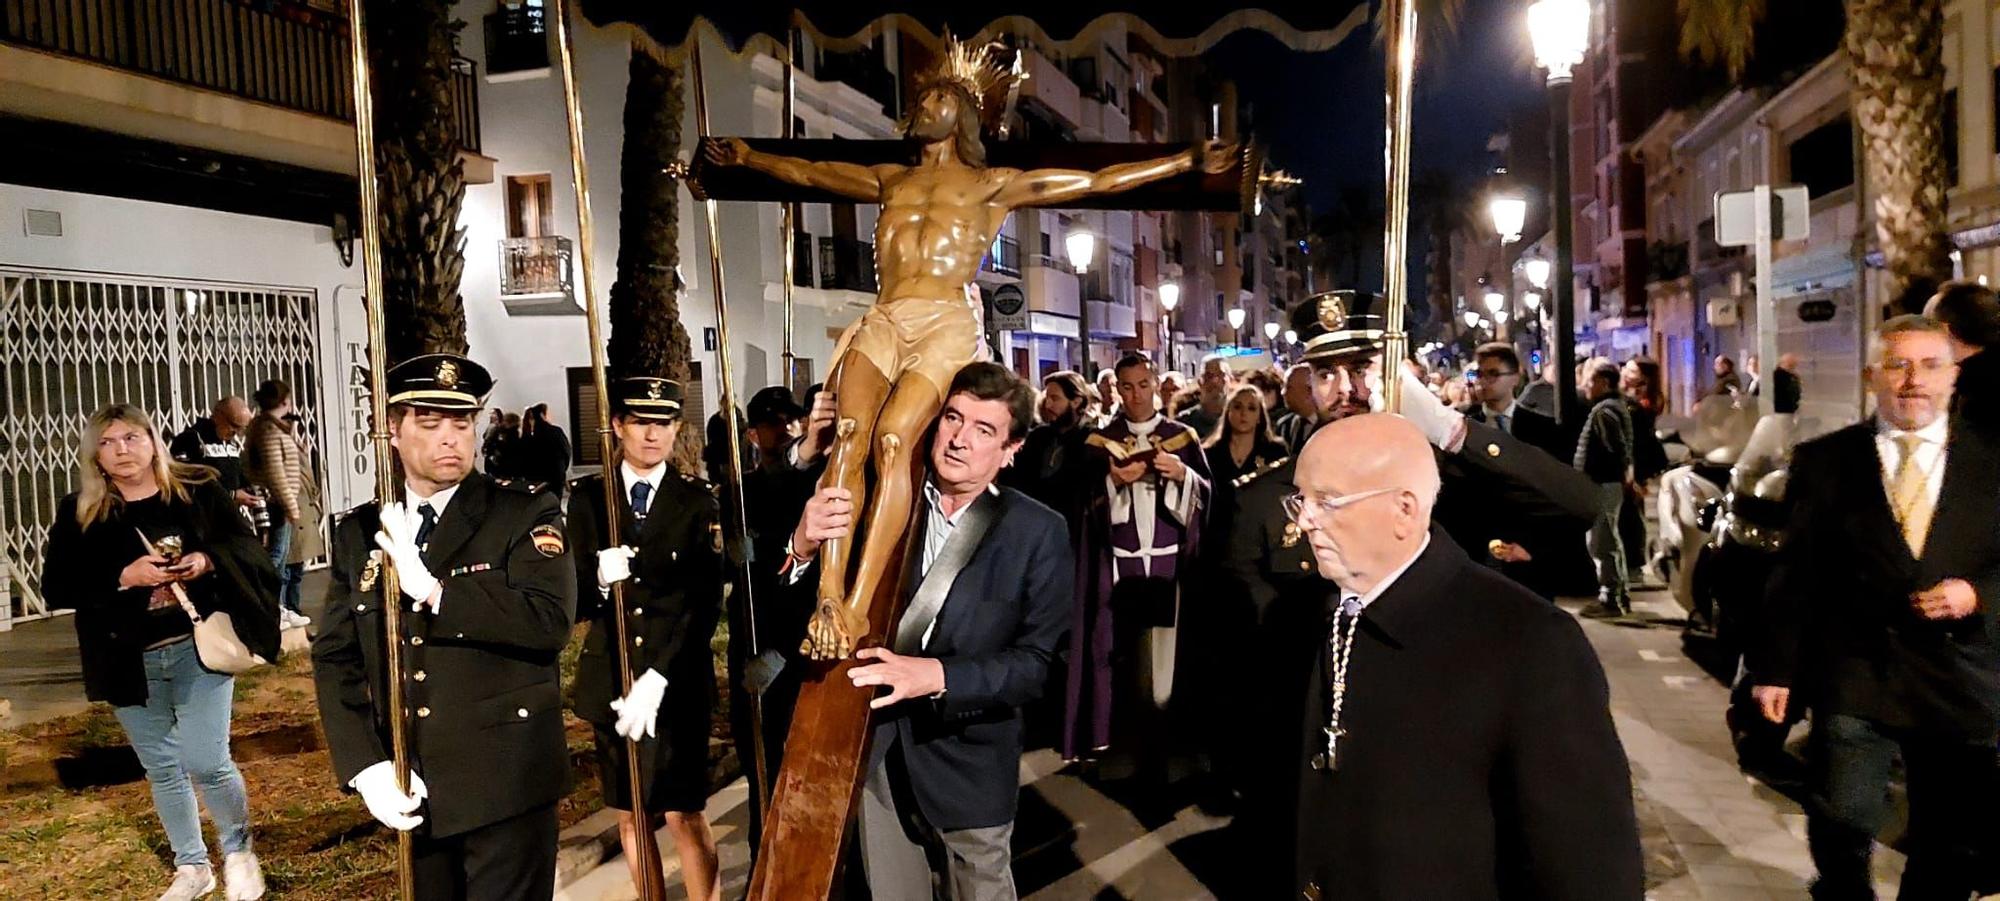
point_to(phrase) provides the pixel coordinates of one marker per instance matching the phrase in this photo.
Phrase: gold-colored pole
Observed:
(732, 471)
(789, 218)
(652, 883)
(1402, 61)
(378, 392)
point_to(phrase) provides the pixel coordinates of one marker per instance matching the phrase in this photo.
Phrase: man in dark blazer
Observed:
(1457, 738)
(1532, 552)
(669, 558)
(991, 589)
(489, 592)
(1880, 618)
(1340, 337)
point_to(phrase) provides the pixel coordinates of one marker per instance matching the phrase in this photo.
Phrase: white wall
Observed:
(139, 238)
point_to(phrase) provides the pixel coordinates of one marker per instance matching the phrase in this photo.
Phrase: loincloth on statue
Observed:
(931, 338)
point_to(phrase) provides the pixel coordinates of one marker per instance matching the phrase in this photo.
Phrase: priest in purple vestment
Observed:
(1149, 488)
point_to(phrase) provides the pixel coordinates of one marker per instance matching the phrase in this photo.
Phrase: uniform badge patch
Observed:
(1292, 534)
(371, 571)
(548, 540)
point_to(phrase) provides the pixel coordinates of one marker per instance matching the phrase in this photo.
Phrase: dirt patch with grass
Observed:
(76, 816)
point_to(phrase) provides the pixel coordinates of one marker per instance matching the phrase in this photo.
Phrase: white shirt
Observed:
(651, 477)
(1513, 407)
(937, 530)
(1930, 455)
(437, 501)
(1383, 586)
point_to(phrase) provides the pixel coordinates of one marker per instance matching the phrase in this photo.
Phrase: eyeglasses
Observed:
(1297, 504)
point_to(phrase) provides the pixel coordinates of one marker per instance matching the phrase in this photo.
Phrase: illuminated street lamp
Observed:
(1170, 297)
(1082, 245)
(1560, 30)
(1236, 317)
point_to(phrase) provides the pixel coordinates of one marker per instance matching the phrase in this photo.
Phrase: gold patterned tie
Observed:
(1911, 494)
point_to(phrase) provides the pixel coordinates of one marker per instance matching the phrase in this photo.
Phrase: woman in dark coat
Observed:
(137, 637)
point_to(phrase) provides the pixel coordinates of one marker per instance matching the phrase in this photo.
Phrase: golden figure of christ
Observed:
(892, 367)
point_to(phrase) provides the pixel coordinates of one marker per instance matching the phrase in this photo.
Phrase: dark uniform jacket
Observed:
(672, 601)
(1476, 513)
(1840, 628)
(1479, 760)
(481, 684)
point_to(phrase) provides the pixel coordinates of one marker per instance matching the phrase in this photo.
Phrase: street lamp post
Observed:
(1510, 215)
(1561, 33)
(1533, 301)
(1082, 245)
(1271, 339)
(1496, 306)
(1170, 297)
(1236, 317)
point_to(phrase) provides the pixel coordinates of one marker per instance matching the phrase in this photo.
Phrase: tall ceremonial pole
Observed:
(789, 219)
(1401, 51)
(652, 883)
(378, 396)
(734, 469)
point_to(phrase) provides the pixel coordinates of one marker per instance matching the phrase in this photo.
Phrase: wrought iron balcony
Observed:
(535, 267)
(517, 40)
(281, 52)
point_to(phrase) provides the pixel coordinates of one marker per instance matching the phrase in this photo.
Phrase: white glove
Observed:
(377, 785)
(638, 712)
(1440, 424)
(614, 565)
(398, 540)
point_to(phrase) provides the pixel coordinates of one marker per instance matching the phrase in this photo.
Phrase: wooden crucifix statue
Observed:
(939, 216)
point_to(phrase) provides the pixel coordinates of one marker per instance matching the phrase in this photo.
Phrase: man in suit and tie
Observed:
(1456, 739)
(1881, 618)
(993, 578)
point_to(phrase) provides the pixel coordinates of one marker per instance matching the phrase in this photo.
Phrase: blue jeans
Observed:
(280, 546)
(182, 733)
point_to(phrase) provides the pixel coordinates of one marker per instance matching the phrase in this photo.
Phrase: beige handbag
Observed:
(215, 639)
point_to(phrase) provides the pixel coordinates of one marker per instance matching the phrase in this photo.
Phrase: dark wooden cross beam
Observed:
(1227, 192)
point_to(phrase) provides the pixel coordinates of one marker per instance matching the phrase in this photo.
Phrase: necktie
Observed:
(1505, 422)
(642, 493)
(430, 521)
(1911, 495)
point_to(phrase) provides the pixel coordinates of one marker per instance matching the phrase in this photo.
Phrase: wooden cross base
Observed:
(826, 751)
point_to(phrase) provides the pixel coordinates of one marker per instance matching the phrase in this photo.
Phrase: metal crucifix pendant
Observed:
(1328, 759)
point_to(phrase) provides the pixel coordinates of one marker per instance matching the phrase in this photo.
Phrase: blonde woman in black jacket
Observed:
(137, 640)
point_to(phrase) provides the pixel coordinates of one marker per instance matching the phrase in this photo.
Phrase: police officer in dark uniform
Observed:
(484, 567)
(1269, 561)
(670, 560)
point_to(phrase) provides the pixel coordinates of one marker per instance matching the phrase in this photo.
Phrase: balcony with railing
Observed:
(281, 54)
(517, 40)
(1004, 257)
(862, 71)
(535, 276)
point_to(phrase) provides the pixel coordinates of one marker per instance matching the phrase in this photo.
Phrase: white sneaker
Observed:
(242, 877)
(190, 882)
(301, 620)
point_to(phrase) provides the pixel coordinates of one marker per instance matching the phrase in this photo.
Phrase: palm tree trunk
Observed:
(421, 179)
(1895, 52)
(647, 337)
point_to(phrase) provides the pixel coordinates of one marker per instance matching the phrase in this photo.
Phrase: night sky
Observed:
(1321, 114)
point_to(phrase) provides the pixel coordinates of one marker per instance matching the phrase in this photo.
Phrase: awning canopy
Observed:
(1172, 29)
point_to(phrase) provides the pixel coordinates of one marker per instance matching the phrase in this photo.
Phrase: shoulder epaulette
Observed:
(1259, 472)
(520, 485)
